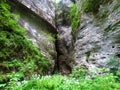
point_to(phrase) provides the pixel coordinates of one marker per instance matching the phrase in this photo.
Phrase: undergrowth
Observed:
(18, 55)
(58, 82)
(20, 59)
(79, 79)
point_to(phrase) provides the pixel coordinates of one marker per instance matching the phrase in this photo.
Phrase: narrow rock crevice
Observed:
(62, 57)
(64, 48)
(35, 29)
(63, 62)
(64, 40)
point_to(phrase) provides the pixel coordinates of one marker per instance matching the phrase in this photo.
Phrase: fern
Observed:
(75, 17)
(17, 53)
(84, 6)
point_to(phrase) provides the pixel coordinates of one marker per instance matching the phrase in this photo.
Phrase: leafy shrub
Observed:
(114, 62)
(105, 82)
(79, 72)
(7, 21)
(81, 7)
(75, 15)
(17, 53)
(57, 82)
(91, 5)
(114, 66)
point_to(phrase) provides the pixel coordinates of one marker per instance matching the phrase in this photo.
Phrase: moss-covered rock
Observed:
(17, 53)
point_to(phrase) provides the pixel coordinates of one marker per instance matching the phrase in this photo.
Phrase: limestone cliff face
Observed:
(44, 8)
(96, 42)
(37, 17)
(97, 39)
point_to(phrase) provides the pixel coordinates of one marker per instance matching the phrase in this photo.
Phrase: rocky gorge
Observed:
(96, 39)
(59, 45)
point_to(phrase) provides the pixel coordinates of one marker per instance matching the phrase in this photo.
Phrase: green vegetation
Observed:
(114, 65)
(80, 79)
(62, 15)
(19, 58)
(84, 6)
(57, 82)
(50, 36)
(75, 15)
(79, 72)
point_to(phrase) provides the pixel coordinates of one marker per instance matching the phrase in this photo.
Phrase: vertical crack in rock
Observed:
(64, 54)
(64, 48)
(39, 22)
(64, 41)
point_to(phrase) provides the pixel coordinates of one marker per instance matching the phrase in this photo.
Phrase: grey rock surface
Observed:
(37, 17)
(97, 39)
(43, 8)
